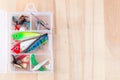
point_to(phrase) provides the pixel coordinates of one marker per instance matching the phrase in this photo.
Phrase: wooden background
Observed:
(86, 39)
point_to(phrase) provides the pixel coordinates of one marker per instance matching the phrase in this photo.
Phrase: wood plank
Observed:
(24, 76)
(61, 42)
(99, 41)
(112, 38)
(8, 5)
(75, 26)
(89, 55)
(7, 76)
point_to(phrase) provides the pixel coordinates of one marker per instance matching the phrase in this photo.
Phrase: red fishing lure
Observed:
(17, 27)
(16, 48)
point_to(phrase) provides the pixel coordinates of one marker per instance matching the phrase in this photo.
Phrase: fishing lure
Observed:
(43, 39)
(40, 65)
(14, 19)
(27, 24)
(21, 46)
(25, 62)
(17, 26)
(21, 57)
(22, 19)
(39, 23)
(15, 62)
(35, 63)
(48, 67)
(16, 48)
(24, 35)
(21, 61)
(21, 22)
(43, 24)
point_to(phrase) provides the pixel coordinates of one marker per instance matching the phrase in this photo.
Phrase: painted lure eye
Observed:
(16, 48)
(16, 36)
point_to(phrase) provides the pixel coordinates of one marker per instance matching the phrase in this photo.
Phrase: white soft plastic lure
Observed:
(40, 65)
(48, 67)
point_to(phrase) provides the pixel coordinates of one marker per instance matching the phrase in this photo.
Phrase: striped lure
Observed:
(43, 39)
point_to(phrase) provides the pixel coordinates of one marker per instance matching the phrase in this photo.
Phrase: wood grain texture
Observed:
(112, 38)
(85, 39)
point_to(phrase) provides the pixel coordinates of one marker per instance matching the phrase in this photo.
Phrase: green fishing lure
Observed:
(23, 35)
(34, 62)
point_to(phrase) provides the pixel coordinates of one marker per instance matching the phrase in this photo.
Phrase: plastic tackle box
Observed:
(26, 42)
